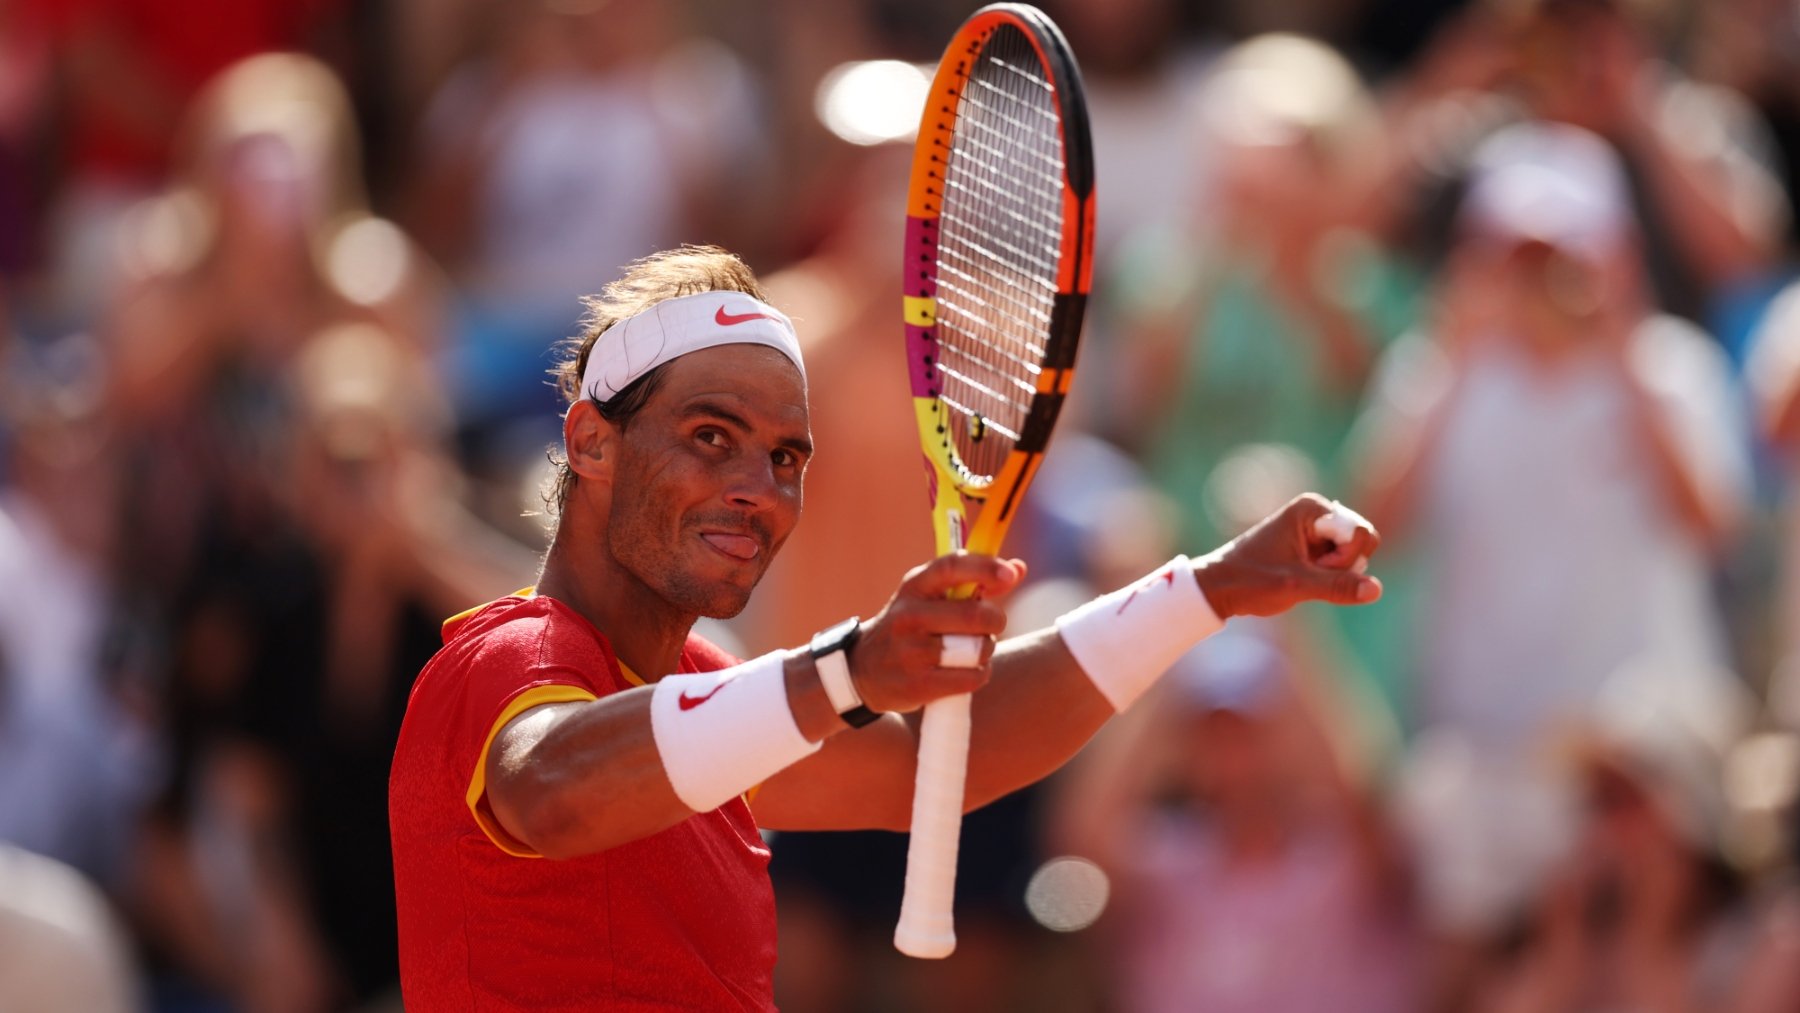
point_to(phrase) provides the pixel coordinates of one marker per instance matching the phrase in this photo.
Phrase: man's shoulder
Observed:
(523, 628)
(521, 614)
(495, 651)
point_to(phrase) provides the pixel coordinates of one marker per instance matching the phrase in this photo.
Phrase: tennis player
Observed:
(573, 792)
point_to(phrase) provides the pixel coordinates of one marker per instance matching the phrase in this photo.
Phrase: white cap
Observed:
(1552, 183)
(1671, 727)
(674, 327)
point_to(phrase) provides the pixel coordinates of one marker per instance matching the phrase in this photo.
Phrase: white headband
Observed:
(674, 327)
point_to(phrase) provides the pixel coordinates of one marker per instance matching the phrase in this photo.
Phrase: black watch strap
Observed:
(831, 657)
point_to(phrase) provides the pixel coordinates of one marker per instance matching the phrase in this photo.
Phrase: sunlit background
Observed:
(280, 281)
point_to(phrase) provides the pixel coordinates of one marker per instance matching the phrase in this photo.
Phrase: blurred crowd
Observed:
(279, 286)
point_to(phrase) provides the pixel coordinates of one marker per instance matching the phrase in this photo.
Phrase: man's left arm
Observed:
(1042, 704)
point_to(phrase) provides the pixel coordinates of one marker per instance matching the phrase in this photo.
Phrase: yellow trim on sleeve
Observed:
(630, 676)
(464, 614)
(536, 696)
(524, 592)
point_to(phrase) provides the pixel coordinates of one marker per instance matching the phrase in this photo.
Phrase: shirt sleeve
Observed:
(518, 667)
(534, 696)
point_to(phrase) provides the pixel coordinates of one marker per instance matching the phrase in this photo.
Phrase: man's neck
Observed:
(646, 634)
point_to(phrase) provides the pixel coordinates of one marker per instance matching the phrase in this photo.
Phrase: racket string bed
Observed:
(960, 278)
(998, 249)
(1027, 363)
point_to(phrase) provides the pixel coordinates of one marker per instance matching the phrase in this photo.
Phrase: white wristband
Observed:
(1126, 640)
(722, 733)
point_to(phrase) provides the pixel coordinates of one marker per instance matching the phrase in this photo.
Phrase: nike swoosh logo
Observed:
(1168, 577)
(724, 319)
(688, 703)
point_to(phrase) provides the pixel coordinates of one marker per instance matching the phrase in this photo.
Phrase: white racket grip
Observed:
(927, 924)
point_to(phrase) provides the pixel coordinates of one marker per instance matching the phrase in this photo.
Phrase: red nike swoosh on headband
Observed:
(688, 703)
(724, 319)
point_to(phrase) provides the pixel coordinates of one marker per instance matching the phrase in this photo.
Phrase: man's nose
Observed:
(753, 486)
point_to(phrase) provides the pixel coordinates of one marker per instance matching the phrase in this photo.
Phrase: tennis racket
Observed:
(999, 244)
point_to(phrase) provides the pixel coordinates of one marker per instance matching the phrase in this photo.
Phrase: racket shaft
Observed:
(927, 927)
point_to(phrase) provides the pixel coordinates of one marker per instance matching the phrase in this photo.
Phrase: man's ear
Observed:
(591, 442)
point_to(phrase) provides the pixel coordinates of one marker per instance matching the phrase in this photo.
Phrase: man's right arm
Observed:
(555, 768)
(575, 778)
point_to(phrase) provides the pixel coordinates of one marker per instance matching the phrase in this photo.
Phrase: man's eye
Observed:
(711, 437)
(785, 458)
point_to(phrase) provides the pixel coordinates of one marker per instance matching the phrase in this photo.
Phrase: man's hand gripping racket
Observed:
(999, 240)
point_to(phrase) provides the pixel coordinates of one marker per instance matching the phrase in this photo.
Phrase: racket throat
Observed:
(956, 535)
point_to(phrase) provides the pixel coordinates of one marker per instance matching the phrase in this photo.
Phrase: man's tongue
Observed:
(740, 546)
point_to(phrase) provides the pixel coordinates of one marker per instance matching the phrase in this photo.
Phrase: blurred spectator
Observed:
(61, 947)
(1770, 981)
(77, 760)
(1699, 165)
(590, 133)
(1642, 914)
(1762, 779)
(1753, 48)
(1245, 331)
(1258, 326)
(375, 496)
(1772, 372)
(1569, 462)
(295, 530)
(264, 243)
(1141, 74)
(1251, 869)
(130, 68)
(26, 86)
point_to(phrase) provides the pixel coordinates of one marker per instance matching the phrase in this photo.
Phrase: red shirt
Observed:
(682, 919)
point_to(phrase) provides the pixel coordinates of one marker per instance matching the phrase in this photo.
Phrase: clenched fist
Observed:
(1310, 550)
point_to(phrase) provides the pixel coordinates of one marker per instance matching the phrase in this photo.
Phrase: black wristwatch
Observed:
(831, 656)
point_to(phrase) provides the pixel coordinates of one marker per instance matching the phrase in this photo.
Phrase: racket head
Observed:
(998, 262)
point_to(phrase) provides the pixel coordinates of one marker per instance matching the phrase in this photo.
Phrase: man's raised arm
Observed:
(1052, 689)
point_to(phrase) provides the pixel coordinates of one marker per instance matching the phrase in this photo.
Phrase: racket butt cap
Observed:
(924, 944)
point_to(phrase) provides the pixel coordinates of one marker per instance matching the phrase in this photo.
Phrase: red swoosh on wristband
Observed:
(690, 702)
(1168, 577)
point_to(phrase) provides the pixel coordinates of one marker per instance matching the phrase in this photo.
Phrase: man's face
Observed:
(708, 481)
